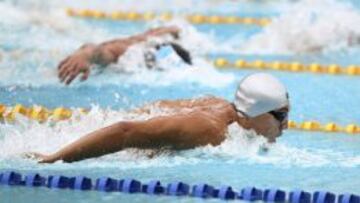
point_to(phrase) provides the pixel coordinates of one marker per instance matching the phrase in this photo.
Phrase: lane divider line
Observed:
(38, 113)
(166, 16)
(176, 188)
(295, 67)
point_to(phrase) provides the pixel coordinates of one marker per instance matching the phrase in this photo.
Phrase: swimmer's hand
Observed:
(75, 64)
(40, 158)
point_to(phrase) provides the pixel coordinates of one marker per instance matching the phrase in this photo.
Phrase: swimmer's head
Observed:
(262, 103)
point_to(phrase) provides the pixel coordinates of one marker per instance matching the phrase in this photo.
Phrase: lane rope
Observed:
(176, 188)
(42, 114)
(295, 67)
(331, 127)
(165, 16)
(38, 113)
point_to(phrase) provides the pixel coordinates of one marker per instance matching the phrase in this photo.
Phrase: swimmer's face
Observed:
(270, 124)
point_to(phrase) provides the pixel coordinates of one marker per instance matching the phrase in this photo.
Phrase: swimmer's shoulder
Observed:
(211, 99)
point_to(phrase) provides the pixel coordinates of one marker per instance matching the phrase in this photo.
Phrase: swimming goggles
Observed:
(279, 115)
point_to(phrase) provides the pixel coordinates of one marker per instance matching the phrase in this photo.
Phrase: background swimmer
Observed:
(109, 52)
(261, 103)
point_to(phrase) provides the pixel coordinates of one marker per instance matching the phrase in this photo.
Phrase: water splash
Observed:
(248, 147)
(309, 26)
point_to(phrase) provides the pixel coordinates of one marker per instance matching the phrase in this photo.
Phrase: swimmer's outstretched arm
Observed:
(104, 53)
(104, 141)
(108, 52)
(176, 132)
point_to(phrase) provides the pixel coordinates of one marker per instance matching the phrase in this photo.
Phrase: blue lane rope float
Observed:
(251, 194)
(130, 186)
(274, 195)
(57, 181)
(34, 180)
(154, 187)
(226, 193)
(323, 196)
(202, 190)
(299, 196)
(177, 188)
(106, 184)
(345, 198)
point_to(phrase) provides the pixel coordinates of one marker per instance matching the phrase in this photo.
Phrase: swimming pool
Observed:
(36, 35)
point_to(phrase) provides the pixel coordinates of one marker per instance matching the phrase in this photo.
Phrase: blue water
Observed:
(31, 47)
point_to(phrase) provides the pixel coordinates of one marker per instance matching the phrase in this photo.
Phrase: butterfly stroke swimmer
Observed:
(261, 103)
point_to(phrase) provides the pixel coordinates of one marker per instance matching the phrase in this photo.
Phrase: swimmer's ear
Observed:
(183, 53)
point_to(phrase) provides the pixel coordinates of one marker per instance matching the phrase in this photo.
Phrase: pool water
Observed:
(36, 35)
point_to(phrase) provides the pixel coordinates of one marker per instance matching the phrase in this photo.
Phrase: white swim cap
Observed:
(260, 93)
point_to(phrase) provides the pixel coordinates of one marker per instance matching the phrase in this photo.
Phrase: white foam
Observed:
(247, 146)
(308, 26)
(12, 14)
(200, 73)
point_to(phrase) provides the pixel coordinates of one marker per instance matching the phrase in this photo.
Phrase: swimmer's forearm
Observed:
(109, 52)
(95, 54)
(104, 141)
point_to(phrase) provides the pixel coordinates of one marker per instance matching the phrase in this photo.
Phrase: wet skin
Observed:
(193, 123)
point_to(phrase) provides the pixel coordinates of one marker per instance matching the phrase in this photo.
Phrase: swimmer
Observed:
(261, 103)
(103, 54)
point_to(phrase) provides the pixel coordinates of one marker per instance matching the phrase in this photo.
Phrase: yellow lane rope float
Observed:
(296, 67)
(42, 114)
(166, 16)
(38, 113)
(328, 127)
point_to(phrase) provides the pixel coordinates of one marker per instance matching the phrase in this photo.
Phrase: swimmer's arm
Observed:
(109, 52)
(150, 134)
